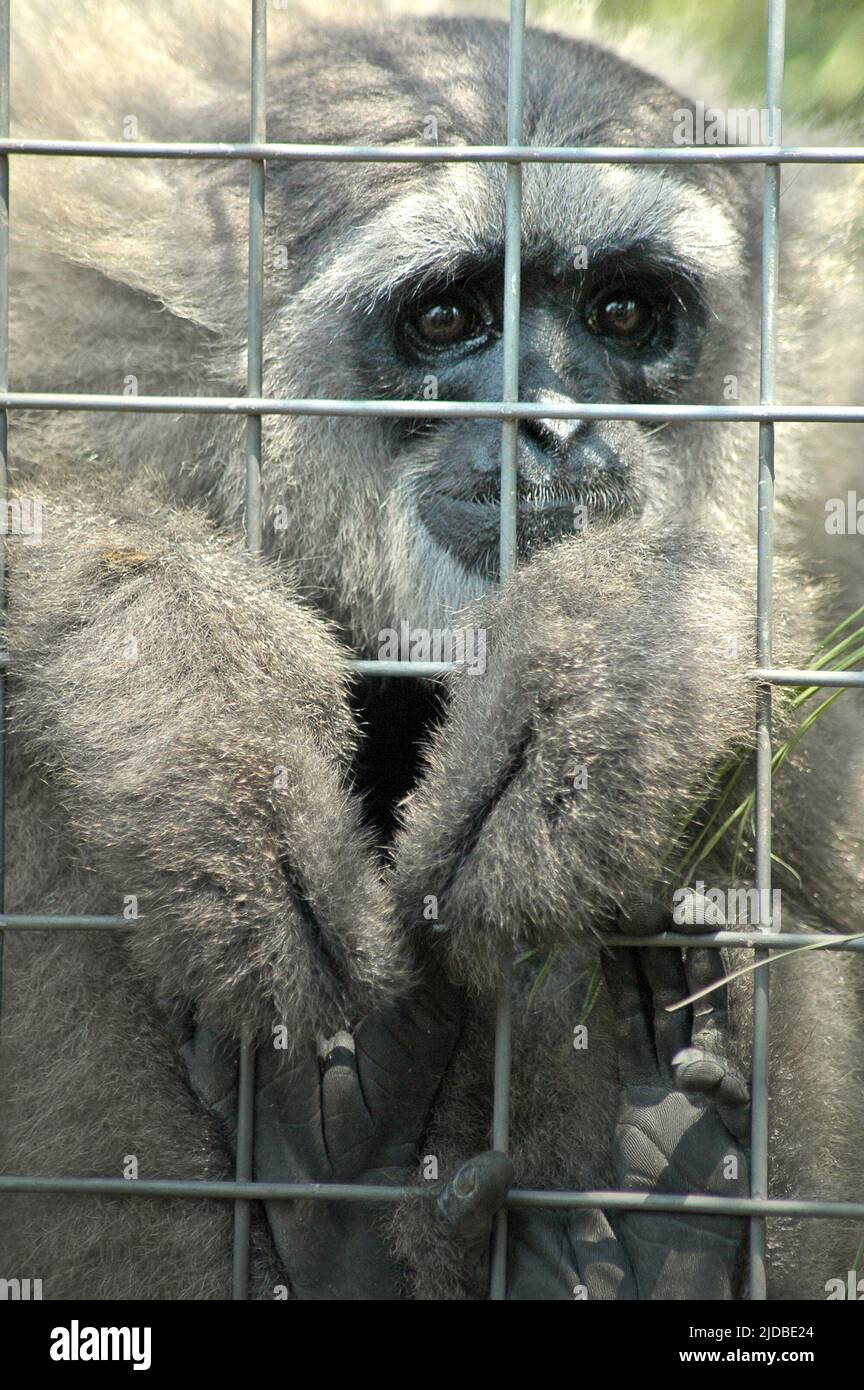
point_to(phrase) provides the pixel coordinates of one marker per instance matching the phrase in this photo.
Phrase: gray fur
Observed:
(210, 776)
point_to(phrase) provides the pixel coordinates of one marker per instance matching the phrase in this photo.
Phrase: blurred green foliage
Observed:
(824, 45)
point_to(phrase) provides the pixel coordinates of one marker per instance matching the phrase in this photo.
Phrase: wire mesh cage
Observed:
(510, 411)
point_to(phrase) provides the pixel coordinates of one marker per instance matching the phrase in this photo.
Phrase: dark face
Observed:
(628, 327)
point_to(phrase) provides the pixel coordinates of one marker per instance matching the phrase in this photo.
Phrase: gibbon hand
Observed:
(682, 1112)
(352, 1108)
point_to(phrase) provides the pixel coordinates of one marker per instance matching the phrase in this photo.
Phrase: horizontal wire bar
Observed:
(438, 154)
(793, 677)
(656, 1201)
(442, 668)
(225, 1190)
(719, 940)
(398, 409)
(405, 668)
(44, 922)
(228, 1191)
(745, 940)
(775, 677)
(781, 676)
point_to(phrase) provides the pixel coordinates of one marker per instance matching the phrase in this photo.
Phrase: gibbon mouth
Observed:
(469, 528)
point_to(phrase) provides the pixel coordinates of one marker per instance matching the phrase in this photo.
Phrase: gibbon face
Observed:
(637, 286)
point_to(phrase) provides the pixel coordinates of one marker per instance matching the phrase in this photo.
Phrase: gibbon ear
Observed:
(107, 79)
(116, 222)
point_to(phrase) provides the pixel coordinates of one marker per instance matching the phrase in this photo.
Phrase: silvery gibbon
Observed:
(339, 866)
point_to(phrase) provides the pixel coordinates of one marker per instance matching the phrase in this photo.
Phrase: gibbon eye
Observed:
(445, 321)
(627, 317)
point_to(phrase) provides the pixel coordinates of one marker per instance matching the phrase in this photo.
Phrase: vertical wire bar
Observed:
(764, 627)
(252, 520)
(5, 70)
(509, 449)
(255, 300)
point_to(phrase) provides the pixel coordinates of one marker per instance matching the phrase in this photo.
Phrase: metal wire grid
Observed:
(509, 410)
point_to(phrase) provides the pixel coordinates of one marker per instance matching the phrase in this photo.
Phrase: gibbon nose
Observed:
(549, 448)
